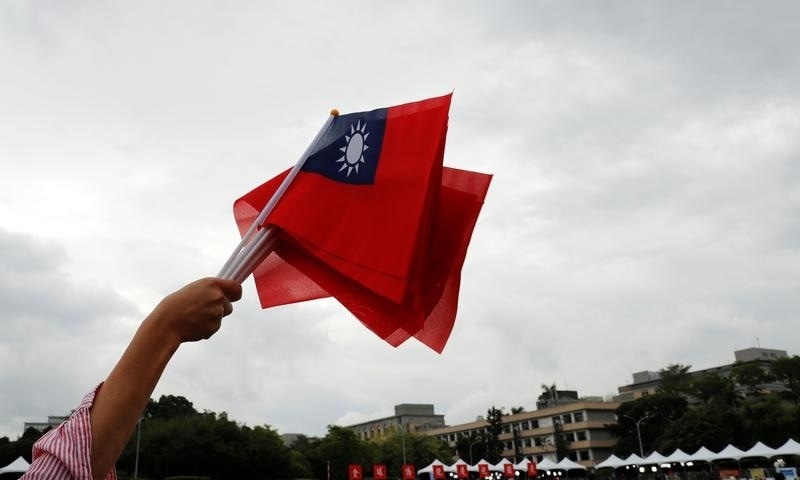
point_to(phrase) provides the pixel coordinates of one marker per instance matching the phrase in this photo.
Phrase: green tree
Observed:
(494, 427)
(750, 375)
(338, 449)
(674, 379)
(714, 390)
(787, 371)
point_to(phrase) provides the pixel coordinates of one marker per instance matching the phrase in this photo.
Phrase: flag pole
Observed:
(235, 259)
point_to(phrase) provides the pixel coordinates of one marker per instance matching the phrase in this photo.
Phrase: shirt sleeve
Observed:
(64, 453)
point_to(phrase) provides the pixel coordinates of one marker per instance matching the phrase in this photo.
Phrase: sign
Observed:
(408, 472)
(461, 470)
(379, 471)
(483, 470)
(508, 470)
(354, 472)
(438, 472)
(532, 470)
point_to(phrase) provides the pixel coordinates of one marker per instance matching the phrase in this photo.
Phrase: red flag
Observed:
(461, 470)
(409, 472)
(391, 251)
(508, 470)
(354, 472)
(532, 470)
(438, 472)
(379, 471)
(483, 470)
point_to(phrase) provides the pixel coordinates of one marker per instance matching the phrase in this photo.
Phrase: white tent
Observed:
(474, 468)
(523, 465)
(703, 455)
(611, 462)
(429, 468)
(498, 467)
(789, 448)
(730, 453)
(547, 464)
(760, 450)
(678, 456)
(453, 469)
(633, 459)
(567, 464)
(20, 465)
(654, 458)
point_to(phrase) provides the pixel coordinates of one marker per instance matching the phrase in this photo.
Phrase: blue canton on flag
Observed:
(349, 150)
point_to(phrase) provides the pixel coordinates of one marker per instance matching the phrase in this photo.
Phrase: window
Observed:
(566, 418)
(534, 423)
(527, 442)
(526, 425)
(578, 416)
(580, 435)
(584, 455)
(572, 456)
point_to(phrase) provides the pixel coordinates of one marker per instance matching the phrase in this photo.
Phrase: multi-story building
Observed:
(582, 423)
(647, 382)
(408, 417)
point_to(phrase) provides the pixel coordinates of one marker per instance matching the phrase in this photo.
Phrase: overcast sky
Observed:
(644, 208)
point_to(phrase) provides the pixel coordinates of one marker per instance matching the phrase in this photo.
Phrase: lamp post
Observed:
(403, 439)
(470, 450)
(638, 430)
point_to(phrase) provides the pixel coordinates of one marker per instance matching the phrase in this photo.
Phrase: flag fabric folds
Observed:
(374, 220)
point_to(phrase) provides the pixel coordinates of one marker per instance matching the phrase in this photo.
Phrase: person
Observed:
(88, 444)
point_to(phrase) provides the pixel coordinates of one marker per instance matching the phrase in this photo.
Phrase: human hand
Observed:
(195, 311)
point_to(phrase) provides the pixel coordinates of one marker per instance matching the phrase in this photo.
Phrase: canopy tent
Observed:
(523, 465)
(703, 455)
(730, 453)
(789, 448)
(429, 468)
(654, 458)
(547, 464)
(498, 467)
(567, 464)
(760, 450)
(678, 456)
(474, 468)
(633, 459)
(20, 465)
(611, 462)
(453, 468)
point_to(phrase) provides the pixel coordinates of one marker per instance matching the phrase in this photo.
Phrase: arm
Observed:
(190, 314)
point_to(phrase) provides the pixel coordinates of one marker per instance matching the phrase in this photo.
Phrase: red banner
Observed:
(461, 470)
(379, 471)
(408, 472)
(354, 472)
(438, 472)
(532, 470)
(483, 470)
(508, 470)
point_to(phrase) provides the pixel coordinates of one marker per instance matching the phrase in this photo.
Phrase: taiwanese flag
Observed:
(374, 220)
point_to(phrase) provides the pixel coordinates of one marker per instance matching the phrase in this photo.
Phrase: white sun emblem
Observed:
(354, 148)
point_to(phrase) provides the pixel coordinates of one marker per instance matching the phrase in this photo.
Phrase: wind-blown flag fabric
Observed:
(374, 220)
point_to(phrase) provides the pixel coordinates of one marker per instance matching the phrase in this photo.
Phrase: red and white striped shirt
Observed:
(64, 453)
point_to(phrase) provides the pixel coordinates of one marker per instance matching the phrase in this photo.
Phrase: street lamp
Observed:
(638, 430)
(470, 450)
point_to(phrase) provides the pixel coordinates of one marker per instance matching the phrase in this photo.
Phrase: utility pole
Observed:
(638, 430)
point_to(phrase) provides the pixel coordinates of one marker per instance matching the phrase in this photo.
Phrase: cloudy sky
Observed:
(644, 208)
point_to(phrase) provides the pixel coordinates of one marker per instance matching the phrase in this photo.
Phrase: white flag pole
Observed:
(235, 258)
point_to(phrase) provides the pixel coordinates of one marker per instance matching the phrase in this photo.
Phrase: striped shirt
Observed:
(64, 453)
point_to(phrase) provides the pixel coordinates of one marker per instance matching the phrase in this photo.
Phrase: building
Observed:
(647, 382)
(582, 422)
(52, 422)
(410, 417)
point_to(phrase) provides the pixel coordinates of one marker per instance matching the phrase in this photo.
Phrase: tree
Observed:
(494, 420)
(750, 375)
(674, 379)
(787, 371)
(516, 410)
(559, 442)
(714, 390)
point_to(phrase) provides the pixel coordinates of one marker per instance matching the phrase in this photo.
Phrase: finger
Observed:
(231, 289)
(227, 307)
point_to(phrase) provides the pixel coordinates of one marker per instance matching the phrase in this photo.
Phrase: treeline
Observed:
(177, 440)
(759, 401)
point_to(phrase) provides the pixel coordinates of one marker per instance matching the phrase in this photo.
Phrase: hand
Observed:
(195, 311)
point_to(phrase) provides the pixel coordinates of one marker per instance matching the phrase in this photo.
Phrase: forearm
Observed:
(120, 401)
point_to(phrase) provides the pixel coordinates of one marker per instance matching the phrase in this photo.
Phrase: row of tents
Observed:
(759, 450)
(20, 465)
(546, 464)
